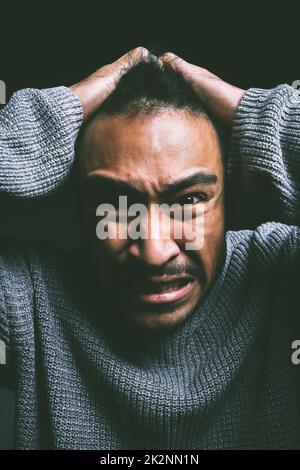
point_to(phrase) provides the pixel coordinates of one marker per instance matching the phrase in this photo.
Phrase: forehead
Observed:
(155, 148)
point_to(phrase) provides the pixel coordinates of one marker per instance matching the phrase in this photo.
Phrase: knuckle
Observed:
(140, 51)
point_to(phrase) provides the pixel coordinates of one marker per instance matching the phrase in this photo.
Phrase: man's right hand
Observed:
(94, 89)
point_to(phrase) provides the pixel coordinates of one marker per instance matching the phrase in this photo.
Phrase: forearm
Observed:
(38, 129)
(263, 167)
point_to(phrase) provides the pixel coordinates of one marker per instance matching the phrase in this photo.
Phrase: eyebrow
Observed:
(119, 186)
(200, 177)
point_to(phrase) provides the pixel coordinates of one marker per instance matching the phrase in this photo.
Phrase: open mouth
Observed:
(164, 291)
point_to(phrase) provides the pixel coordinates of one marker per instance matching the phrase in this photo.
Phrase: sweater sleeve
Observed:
(38, 129)
(263, 168)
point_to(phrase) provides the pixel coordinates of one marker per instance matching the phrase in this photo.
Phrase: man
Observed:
(138, 342)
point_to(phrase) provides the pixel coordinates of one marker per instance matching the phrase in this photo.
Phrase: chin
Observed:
(162, 318)
(160, 323)
(151, 315)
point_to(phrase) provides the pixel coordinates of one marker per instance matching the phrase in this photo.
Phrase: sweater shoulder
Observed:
(22, 262)
(20, 257)
(264, 232)
(271, 242)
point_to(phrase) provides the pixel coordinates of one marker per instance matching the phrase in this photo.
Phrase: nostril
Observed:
(134, 250)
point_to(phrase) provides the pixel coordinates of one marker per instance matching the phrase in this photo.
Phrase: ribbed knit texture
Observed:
(224, 379)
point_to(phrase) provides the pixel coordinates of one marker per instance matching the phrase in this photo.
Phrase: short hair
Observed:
(148, 87)
(151, 87)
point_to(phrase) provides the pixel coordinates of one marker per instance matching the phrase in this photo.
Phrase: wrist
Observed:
(84, 96)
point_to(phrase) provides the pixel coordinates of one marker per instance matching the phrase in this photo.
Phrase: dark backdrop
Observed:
(58, 44)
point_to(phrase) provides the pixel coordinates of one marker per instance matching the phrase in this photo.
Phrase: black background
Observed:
(52, 44)
(246, 43)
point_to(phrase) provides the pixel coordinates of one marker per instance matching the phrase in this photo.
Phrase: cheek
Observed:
(213, 237)
(114, 247)
(112, 239)
(209, 230)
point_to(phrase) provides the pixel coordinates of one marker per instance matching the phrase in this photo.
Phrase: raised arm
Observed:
(262, 174)
(37, 133)
(38, 129)
(264, 157)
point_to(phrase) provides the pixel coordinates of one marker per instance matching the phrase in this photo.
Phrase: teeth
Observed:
(164, 287)
(171, 286)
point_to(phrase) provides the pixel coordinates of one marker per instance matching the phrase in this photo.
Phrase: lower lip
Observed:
(168, 296)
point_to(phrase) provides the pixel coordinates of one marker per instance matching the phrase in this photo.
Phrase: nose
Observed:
(157, 246)
(154, 252)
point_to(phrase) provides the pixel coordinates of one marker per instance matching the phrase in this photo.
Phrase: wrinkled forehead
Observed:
(157, 147)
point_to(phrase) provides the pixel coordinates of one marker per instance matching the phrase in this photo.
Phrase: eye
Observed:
(191, 199)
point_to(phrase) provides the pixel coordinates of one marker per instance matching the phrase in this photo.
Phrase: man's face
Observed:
(170, 157)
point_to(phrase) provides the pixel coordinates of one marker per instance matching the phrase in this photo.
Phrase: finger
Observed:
(173, 60)
(138, 54)
(130, 59)
(185, 68)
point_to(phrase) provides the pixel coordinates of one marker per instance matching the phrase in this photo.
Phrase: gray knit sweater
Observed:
(225, 379)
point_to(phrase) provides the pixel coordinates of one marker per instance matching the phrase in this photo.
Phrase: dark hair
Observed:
(150, 87)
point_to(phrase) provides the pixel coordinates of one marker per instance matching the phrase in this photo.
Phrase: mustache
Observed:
(138, 271)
